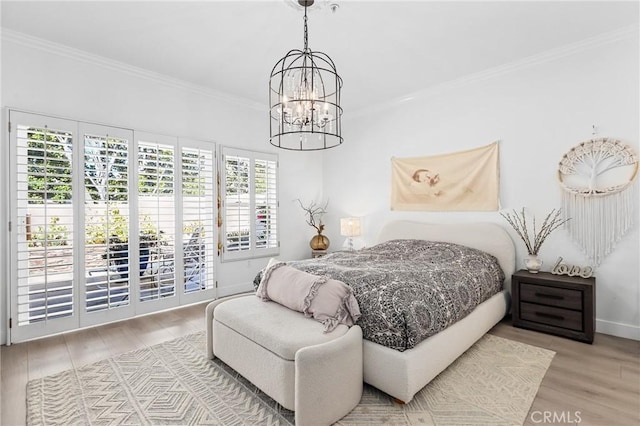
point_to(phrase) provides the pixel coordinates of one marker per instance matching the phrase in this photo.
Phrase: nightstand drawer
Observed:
(551, 296)
(557, 317)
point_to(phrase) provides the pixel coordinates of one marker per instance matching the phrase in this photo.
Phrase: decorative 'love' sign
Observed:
(571, 270)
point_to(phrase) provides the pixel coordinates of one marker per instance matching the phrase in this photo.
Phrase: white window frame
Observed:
(253, 251)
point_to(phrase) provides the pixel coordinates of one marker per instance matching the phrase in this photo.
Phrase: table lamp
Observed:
(350, 227)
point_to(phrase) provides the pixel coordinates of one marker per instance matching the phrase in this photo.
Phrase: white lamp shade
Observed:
(350, 226)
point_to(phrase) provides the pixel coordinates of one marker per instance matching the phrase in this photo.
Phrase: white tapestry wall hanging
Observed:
(596, 177)
(460, 181)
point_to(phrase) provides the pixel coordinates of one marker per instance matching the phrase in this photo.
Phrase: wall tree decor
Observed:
(596, 177)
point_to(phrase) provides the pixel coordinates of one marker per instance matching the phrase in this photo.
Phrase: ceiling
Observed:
(383, 50)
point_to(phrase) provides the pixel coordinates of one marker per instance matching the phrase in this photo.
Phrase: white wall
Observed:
(44, 78)
(538, 110)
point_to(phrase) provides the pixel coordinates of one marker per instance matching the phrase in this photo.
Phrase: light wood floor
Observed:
(598, 384)
(600, 381)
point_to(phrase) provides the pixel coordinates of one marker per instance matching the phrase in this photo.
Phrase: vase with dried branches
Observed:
(518, 222)
(314, 213)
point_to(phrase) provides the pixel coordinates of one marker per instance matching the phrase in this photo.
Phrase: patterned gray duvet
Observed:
(409, 290)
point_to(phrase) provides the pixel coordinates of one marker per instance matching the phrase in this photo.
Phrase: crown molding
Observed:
(113, 65)
(547, 56)
(550, 55)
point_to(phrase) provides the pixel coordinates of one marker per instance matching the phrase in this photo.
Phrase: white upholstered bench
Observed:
(286, 355)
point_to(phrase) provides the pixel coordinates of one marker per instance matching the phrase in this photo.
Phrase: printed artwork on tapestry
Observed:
(459, 181)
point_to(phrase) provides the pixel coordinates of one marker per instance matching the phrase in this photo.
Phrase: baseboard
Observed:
(229, 290)
(617, 329)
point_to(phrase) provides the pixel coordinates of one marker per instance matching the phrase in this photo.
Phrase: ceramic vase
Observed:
(533, 263)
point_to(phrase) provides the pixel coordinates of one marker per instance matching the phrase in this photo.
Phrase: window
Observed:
(250, 204)
(107, 223)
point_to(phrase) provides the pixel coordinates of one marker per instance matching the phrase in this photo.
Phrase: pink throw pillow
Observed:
(329, 301)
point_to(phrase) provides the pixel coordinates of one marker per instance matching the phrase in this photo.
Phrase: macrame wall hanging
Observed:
(597, 179)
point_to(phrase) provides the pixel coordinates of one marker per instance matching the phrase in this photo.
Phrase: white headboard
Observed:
(484, 236)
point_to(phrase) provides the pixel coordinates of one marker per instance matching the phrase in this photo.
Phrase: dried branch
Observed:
(519, 223)
(314, 214)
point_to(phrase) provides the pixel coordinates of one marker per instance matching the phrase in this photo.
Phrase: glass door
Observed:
(110, 270)
(43, 232)
(198, 225)
(105, 224)
(156, 193)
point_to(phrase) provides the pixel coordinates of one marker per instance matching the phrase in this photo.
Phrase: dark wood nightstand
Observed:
(554, 304)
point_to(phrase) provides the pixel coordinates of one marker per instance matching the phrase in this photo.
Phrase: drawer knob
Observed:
(549, 296)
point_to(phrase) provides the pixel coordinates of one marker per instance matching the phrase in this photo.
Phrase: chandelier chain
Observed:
(306, 31)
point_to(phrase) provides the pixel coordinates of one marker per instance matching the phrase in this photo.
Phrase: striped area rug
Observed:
(173, 383)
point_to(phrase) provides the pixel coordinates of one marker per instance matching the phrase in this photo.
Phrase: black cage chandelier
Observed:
(304, 99)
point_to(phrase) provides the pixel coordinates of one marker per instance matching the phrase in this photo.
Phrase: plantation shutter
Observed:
(237, 206)
(250, 204)
(109, 262)
(198, 218)
(266, 205)
(45, 216)
(157, 215)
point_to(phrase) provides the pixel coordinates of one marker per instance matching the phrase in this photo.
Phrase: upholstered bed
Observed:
(402, 374)
(403, 371)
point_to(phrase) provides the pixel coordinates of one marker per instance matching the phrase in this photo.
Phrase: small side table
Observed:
(554, 304)
(318, 253)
